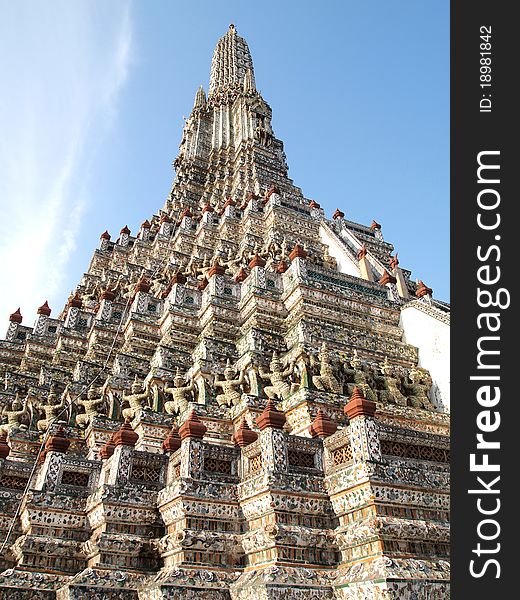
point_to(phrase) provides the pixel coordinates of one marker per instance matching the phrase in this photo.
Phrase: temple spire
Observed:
(249, 83)
(200, 98)
(231, 61)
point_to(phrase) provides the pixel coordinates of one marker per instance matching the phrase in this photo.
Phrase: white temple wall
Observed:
(432, 337)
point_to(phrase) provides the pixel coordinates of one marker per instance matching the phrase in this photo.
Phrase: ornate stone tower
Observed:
(244, 400)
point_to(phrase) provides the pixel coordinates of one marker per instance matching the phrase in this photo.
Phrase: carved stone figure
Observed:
(136, 400)
(326, 380)
(389, 385)
(417, 391)
(356, 376)
(96, 398)
(277, 375)
(179, 391)
(53, 408)
(229, 386)
(14, 414)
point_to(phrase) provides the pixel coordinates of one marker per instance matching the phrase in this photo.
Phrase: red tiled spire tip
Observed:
(271, 417)
(387, 278)
(394, 262)
(125, 230)
(314, 204)
(143, 285)
(105, 235)
(145, 224)
(202, 285)
(216, 268)
(272, 190)
(338, 214)
(322, 426)
(125, 436)
(423, 290)
(257, 261)
(358, 405)
(44, 309)
(207, 208)
(362, 252)
(165, 218)
(244, 435)
(186, 213)
(229, 202)
(375, 225)
(281, 267)
(16, 317)
(57, 442)
(193, 427)
(76, 301)
(241, 275)
(172, 442)
(108, 295)
(5, 449)
(298, 252)
(178, 277)
(108, 448)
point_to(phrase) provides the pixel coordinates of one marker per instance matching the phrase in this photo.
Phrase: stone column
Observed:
(363, 437)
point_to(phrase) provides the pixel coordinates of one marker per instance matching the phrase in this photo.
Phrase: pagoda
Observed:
(243, 399)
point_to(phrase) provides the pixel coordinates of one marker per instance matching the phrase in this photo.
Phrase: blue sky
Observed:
(93, 99)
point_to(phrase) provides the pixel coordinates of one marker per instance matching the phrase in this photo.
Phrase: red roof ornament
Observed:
(165, 218)
(281, 267)
(172, 442)
(125, 435)
(145, 224)
(76, 301)
(322, 426)
(338, 214)
(203, 284)
(314, 204)
(193, 427)
(105, 235)
(272, 190)
(5, 449)
(186, 213)
(298, 252)
(207, 208)
(244, 435)
(229, 202)
(108, 295)
(241, 275)
(358, 405)
(256, 261)
(271, 417)
(375, 225)
(143, 285)
(394, 262)
(178, 277)
(108, 448)
(125, 230)
(44, 309)
(57, 442)
(16, 317)
(216, 268)
(423, 290)
(387, 278)
(362, 252)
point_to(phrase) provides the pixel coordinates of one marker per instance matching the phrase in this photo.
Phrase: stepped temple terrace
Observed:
(244, 399)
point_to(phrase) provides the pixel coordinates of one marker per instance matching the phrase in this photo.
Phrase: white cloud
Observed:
(63, 70)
